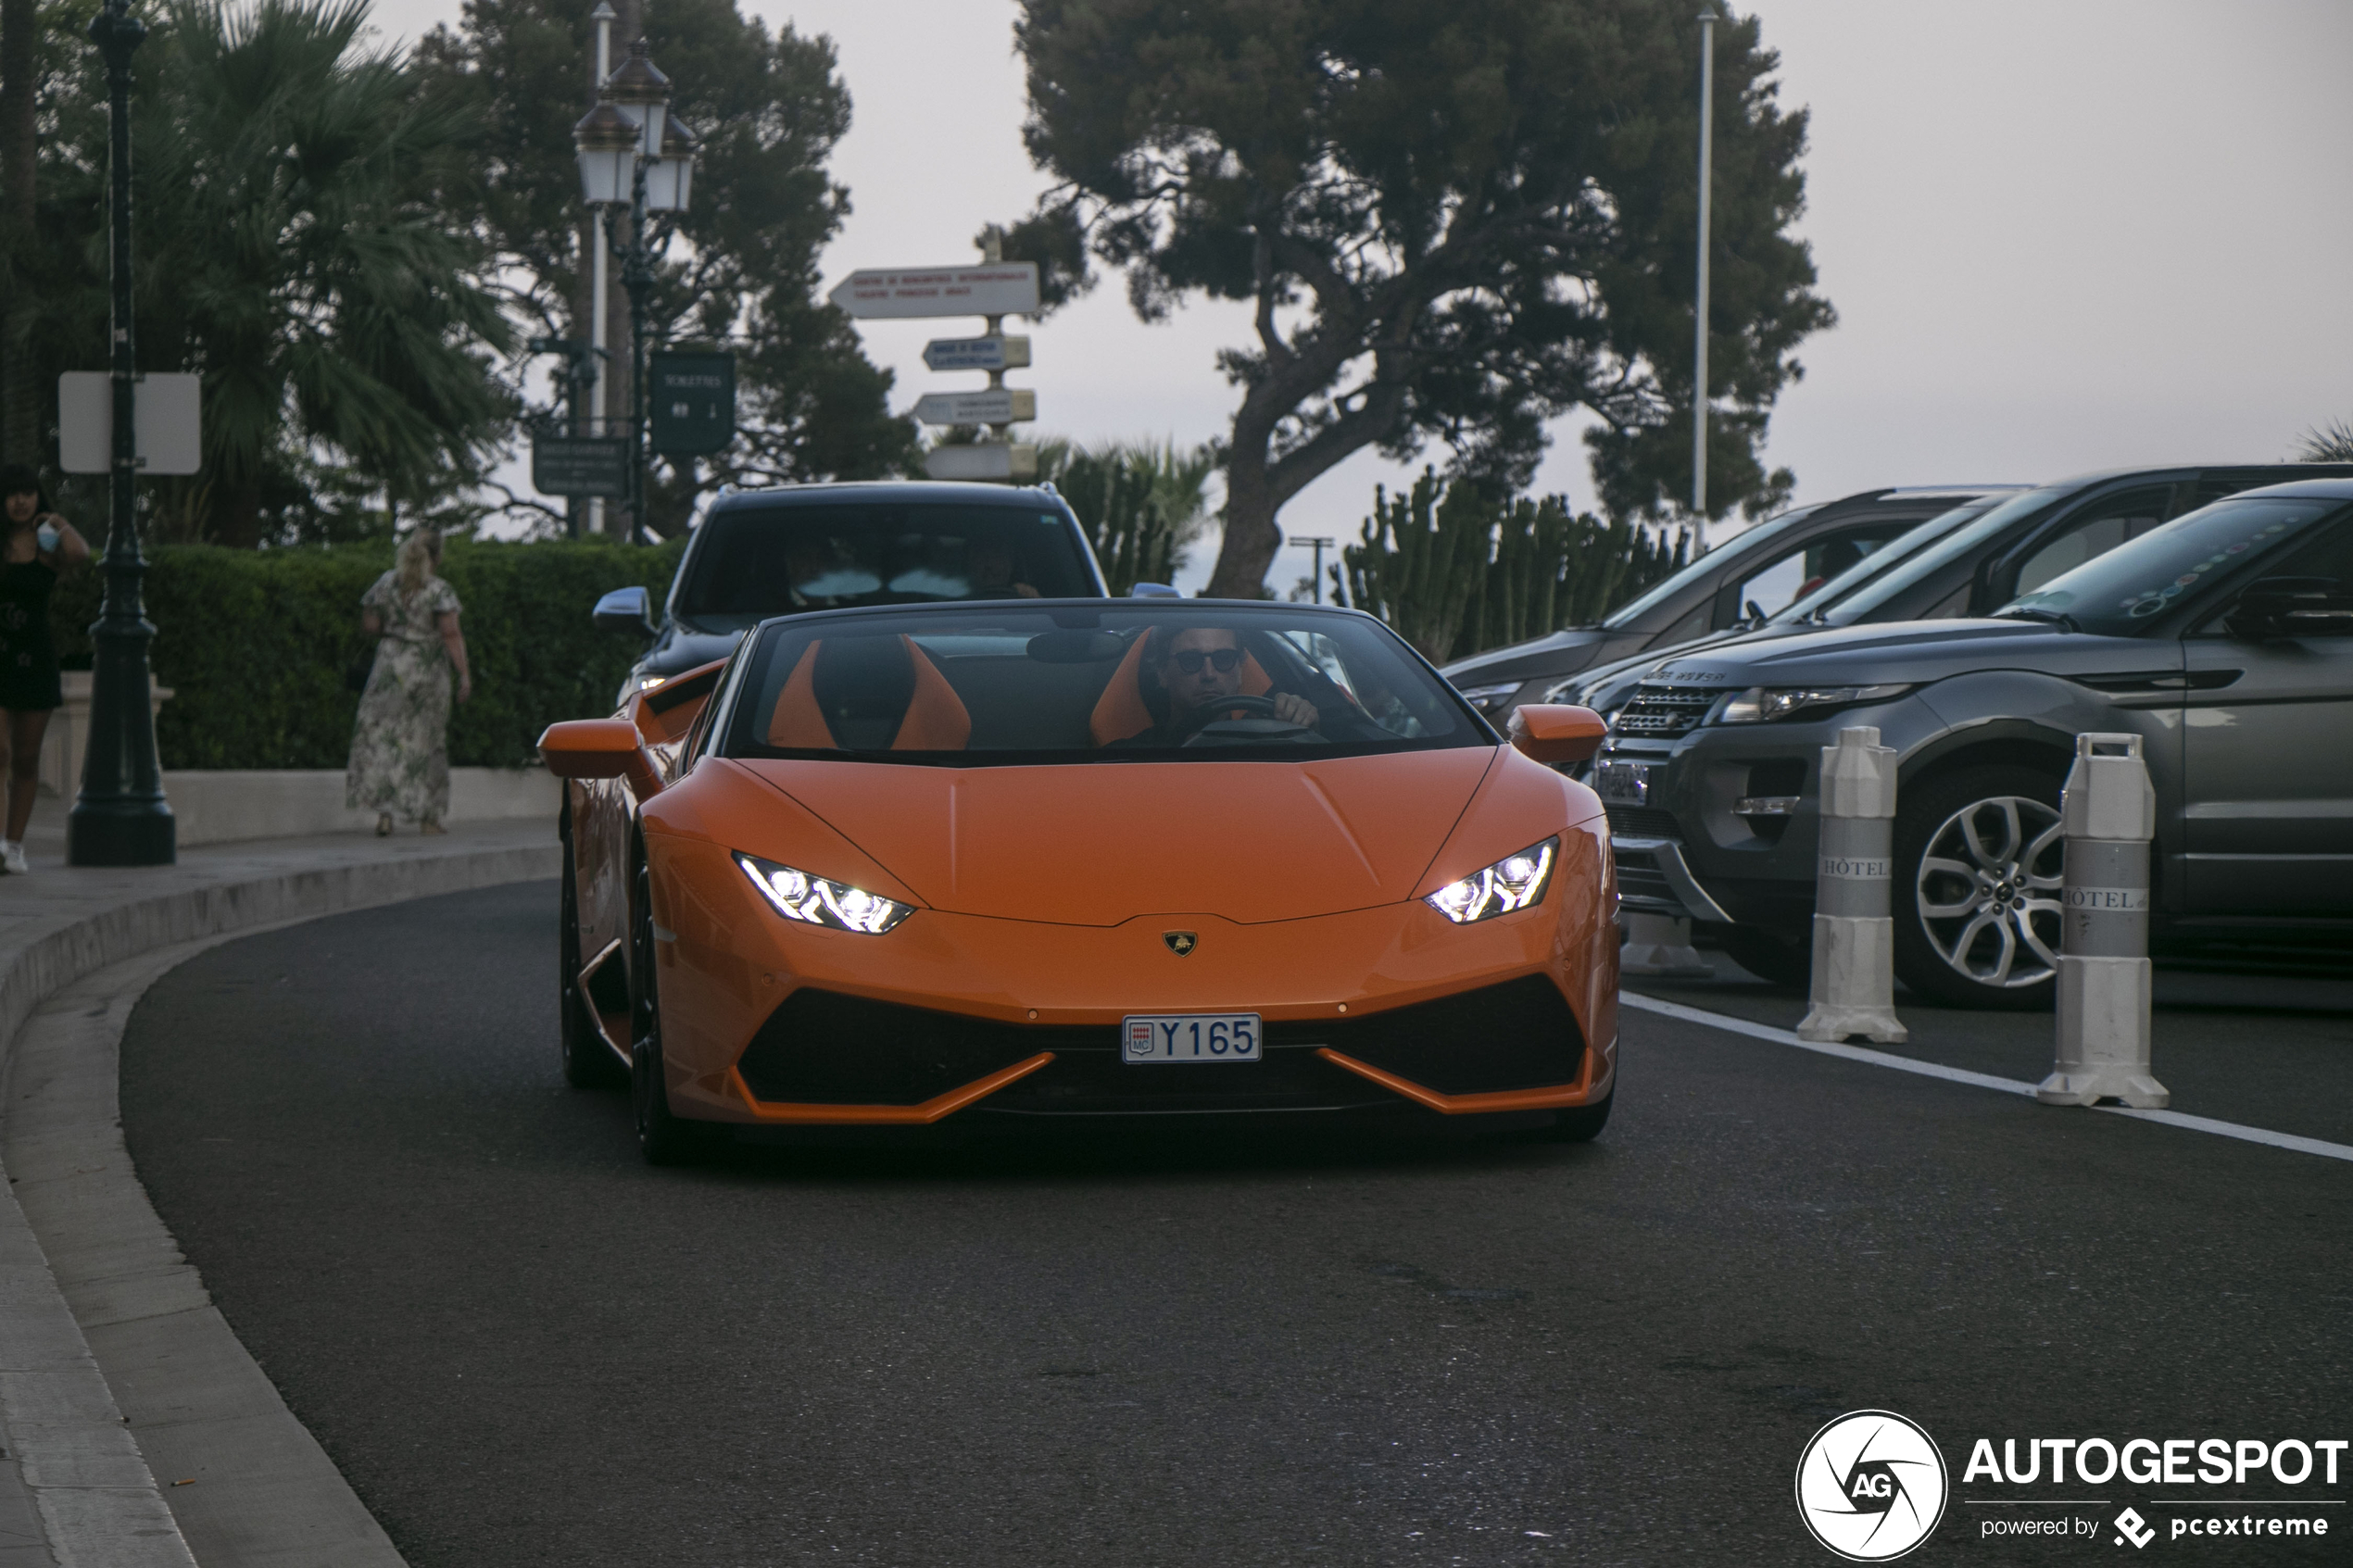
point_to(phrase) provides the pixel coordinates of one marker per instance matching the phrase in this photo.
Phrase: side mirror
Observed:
(600, 748)
(1553, 731)
(2289, 607)
(625, 610)
(1153, 591)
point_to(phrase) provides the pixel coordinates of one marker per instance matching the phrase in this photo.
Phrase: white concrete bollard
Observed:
(1660, 948)
(1853, 930)
(2109, 812)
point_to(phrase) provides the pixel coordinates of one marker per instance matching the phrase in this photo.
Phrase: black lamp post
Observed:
(120, 816)
(634, 151)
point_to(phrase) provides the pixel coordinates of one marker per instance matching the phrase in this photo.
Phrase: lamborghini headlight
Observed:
(1513, 882)
(798, 896)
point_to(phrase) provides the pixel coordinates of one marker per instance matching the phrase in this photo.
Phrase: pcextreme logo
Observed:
(1871, 1485)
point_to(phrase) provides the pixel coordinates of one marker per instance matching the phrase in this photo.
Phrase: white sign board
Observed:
(998, 406)
(988, 460)
(163, 422)
(988, 288)
(998, 353)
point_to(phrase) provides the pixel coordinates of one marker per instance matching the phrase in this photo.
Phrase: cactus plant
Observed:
(1456, 572)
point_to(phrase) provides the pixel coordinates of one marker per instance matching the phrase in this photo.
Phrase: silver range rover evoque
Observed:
(2225, 638)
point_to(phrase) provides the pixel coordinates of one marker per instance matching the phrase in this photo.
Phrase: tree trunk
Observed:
(19, 394)
(1251, 535)
(238, 524)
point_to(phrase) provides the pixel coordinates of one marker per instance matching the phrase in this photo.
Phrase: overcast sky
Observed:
(2058, 236)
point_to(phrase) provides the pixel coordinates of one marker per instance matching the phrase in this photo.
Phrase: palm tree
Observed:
(1140, 504)
(292, 252)
(2331, 443)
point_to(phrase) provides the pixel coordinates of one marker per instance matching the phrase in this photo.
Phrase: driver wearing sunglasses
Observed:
(1202, 664)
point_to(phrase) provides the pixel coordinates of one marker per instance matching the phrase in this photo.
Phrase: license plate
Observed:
(1190, 1036)
(1627, 784)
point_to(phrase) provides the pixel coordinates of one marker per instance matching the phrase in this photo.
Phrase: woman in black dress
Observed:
(35, 545)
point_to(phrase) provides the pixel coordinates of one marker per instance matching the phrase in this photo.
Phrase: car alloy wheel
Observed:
(1987, 889)
(664, 1136)
(589, 1062)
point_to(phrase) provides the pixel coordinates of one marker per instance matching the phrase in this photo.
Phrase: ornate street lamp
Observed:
(631, 149)
(121, 817)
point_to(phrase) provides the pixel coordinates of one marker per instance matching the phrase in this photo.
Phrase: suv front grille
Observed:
(1661, 709)
(1641, 821)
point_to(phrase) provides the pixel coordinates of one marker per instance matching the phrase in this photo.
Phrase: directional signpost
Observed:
(994, 353)
(998, 461)
(883, 294)
(994, 289)
(998, 406)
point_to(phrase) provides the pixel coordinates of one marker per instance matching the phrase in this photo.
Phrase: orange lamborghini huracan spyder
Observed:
(975, 862)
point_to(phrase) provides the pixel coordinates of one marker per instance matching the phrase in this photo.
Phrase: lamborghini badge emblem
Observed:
(1179, 942)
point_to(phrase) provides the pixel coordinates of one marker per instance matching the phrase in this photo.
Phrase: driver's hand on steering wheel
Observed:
(1292, 709)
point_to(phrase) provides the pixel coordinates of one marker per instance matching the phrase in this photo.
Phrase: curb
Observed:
(57, 958)
(86, 1265)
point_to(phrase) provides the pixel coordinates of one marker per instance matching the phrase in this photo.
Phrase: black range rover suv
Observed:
(769, 552)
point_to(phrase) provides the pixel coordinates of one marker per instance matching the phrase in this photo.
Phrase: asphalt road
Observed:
(525, 1346)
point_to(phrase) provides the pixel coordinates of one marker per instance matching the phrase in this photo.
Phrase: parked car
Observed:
(890, 866)
(1762, 569)
(760, 553)
(2223, 637)
(1606, 687)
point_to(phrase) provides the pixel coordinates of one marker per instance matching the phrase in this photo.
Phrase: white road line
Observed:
(1979, 1079)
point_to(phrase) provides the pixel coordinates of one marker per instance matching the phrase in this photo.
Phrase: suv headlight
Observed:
(1480, 697)
(1762, 705)
(798, 896)
(1513, 882)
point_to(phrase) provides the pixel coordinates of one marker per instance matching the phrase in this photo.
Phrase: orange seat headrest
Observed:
(936, 718)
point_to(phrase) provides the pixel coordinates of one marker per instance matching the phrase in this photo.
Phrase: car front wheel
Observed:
(663, 1137)
(1979, 860)
(589, 1062)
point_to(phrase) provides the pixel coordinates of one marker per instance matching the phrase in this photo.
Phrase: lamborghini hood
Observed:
(1100, 842)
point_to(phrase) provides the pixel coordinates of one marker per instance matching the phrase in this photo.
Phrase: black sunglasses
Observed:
(1191, 659)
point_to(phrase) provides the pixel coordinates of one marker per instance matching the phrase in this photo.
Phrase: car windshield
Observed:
(1885, 558)
(2119, 593)
(1077, 681)
(1706, 566)
(756, 561)
(1969, 541)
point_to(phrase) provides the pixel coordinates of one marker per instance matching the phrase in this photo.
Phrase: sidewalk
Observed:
(82, 1259)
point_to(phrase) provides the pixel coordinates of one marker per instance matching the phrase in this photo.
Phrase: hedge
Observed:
(254, 644)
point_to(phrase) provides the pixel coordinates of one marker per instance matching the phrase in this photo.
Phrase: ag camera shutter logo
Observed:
(1871, 1485)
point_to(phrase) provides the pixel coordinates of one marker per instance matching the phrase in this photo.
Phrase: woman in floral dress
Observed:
(400, 750)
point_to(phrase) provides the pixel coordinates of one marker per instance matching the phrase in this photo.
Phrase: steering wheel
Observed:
(1251, 706)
